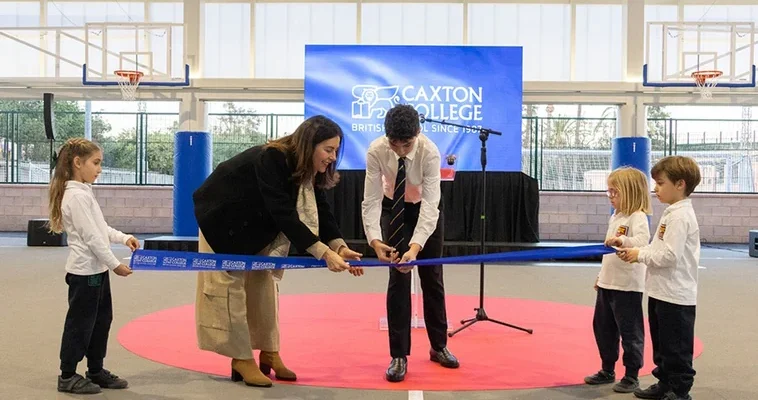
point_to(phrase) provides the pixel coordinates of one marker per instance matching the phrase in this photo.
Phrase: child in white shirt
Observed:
(74, 209)
(672, 273)
(618, 307)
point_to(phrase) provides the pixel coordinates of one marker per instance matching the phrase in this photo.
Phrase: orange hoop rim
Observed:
(133, 76)
(702, 76)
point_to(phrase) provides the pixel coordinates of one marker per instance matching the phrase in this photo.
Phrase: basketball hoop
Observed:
(128, 81)
(706, 81)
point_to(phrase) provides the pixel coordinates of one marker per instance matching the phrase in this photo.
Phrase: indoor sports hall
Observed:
(531, 103)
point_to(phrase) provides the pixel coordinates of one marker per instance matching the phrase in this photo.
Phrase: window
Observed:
(25, 60)
(599, 43)
(283, 29)
(16, 14)
(412, 23)
(77, 14)
(158, 41)
(226, 50)
(542, 29)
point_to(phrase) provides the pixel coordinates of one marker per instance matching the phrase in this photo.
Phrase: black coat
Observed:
(247, 200)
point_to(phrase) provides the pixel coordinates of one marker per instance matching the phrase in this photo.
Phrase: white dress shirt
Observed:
(422, 184)
(673, 256)
(89, 236)
(615, 273)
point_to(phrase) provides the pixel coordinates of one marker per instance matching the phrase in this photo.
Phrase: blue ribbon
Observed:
(162, 260)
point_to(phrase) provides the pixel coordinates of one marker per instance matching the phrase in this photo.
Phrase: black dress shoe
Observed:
(396, 370)
(444, 357)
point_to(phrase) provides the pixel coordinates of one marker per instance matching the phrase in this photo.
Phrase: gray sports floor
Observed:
(34, 305)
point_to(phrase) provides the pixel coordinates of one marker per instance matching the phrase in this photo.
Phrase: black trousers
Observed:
(672, 330)
(88, 321)
(618, 315)
(399, 287)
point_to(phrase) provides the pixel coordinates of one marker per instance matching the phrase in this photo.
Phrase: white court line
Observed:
(415, 395)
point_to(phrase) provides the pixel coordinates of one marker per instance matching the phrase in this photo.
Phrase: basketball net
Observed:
(128, 81)
(706, 81)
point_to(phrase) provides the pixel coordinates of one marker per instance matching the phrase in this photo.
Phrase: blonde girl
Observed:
(618, 306)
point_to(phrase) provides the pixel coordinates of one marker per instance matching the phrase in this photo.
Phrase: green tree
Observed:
(234, 131)
(29, 128)
(657, 117)
(528, 125)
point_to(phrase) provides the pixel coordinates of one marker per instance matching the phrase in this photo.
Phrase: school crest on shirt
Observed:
(661, 231)
(622, 230)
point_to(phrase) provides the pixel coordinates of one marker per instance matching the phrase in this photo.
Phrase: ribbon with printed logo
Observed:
(162, 260)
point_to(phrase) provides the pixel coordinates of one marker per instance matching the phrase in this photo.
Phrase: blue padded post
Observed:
(193, 156)
(631, 152)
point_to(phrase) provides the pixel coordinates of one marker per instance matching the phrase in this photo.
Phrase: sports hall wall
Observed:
(577, 55)
(723, 218)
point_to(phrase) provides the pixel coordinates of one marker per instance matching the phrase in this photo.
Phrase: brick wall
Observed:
(723, 218)
(133, 209)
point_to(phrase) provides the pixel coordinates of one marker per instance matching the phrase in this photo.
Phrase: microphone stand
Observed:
(481, 314)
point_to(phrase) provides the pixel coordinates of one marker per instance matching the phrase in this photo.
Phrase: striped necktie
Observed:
(398, 207)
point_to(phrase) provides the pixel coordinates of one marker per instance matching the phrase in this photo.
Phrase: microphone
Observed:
(422, 118)
(451, 159)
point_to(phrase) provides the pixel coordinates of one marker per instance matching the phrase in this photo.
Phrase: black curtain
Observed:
(512, 210)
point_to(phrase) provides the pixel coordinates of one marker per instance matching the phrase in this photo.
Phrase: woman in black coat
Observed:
(260, 202)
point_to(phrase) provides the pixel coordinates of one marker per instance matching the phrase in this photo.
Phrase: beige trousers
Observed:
(236, 312)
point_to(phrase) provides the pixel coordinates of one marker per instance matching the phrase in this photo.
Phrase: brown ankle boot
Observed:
(271, 360)
(246, 370)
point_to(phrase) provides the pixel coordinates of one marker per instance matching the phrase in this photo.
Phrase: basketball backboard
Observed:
(154, 49)
(674, 50)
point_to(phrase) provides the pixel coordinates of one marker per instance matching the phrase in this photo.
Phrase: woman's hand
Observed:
(334, 262)
(348, 254)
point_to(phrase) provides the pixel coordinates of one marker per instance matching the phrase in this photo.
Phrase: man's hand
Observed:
(628, 255)
(384, 252)
(409, 256)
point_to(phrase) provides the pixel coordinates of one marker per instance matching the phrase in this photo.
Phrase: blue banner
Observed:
(162, 260)
(475, 86)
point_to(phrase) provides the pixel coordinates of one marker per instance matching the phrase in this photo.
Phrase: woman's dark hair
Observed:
(401, 123)
(299, 147)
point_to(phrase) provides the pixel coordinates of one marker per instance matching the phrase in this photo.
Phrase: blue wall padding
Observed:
(193, 156)
(631, 152)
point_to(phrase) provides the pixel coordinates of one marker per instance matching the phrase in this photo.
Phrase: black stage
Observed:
(512, 215)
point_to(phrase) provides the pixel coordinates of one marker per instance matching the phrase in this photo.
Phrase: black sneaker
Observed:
(601, 377)
(627, 384)
(77, 384)
(655, 391)
(106, 380)
(674, 396)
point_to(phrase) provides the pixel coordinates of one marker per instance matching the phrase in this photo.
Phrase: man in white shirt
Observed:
(403, 221)
(672, 274)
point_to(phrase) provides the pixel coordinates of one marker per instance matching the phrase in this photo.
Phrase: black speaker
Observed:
(49, 115)
(37, 234)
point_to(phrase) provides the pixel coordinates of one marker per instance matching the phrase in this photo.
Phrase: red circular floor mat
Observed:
(334, 340)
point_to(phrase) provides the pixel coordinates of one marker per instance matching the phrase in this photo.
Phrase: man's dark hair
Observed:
(401, 122)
